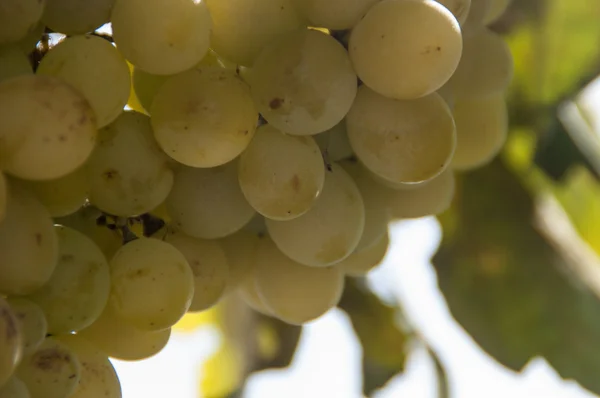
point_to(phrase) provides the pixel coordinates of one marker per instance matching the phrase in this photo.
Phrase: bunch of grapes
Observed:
(208, 148)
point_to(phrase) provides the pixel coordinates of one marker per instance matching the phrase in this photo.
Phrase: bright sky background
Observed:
(327, 363)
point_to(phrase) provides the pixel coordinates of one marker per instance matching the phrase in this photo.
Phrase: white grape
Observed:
(32, 323)
(77, 292)
(294, 292)
(46, 120)
(17, 17)
(360, 263)
(146, 85)
(13, 62)
(459, 8)
(249, 295)
(403, 141)
(208, 203)
(52, 371)
(334, 14)
(98, 378)
(241, 28)
(29, 42)
(303, 83)
(406, 49)
(152, 284)
(240, 249)
(14, 388)
(281, 175)
(118, 339)
(208, 263)
(477, 13)
(335, 143)
(497, 8)
(204, 117)
(128, 172)
(3, 196)
(28, 244)
(11, 341)
(330, 230)
(73, 17)
(162, 37)
(95, 68)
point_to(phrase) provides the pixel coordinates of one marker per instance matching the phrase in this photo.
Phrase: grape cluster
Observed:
(208, 148)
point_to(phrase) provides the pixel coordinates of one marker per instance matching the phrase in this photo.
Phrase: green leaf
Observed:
(517, 290)
(377, 327)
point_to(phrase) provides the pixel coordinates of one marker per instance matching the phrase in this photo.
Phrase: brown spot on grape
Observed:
(110, 174)
(62, 138)
(276, 103)
(10, 323)
(38, 239)
(296, 183)
(67, 258)
(51, 359)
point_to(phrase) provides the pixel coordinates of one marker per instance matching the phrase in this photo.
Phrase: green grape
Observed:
(11, 341)
(98, 378)
(241, 28)
(208, 203)
(485, 69)
(32, 323)
(77, 292)
(240, 249)
(281, 175)
(162, 37)
(458, 8)
(335, 143)
(249, 295)
(13, 62)
(73, 17)
(303, 83)
(481, 130)
(52, 371)
(334, 14)
(14, 388)
(204, 117)
(406, 49)
(95, 68)
(128, 172)
(376, 215)
(3, 196)
(28, 43)
(496, 10)
(152, 284)
(28, 244)
(208, 263)
(330, 230)
(61, 196)
(146, 85)
(59, 123)
(403, 141)
(360, 263)
(429, 198)
(17, 17)
(293, 292)
(85, 221)
(118, 339)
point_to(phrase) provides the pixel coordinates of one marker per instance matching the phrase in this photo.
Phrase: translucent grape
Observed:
(28, 244)
(376, 215)
(17, 17)
(481, 129)
(208, 263)
(360, 263)
(52, 371)
(95, 68)
(77, 292)
(281, 175)
(477, 13)
(485, 69)
(152, 284)
(13, 62)
(429, 198)
(303, 84)
(405, 141)
(73, 17)
(240, 249)
(241, 28)
(208, 203)
(118, 339)
(334, 14)
(458, 8)
(3, 196)
(32, 323)
(146, 86)
(249, 295)
(61, 196)
(128, 172)
(45, 119)
(28, 43)
(293, 292)
(11, 341)
(335, 143)
(496, 10)
(330, 230)
(14, 388)
(162, 37)
(98, 377)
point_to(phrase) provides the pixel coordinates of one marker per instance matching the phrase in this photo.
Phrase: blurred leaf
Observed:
(376, 325)
(520, 293)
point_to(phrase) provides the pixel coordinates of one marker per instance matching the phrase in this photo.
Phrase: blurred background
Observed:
(497, 297)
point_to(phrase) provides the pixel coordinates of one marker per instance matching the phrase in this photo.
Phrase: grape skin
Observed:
(14, 388)
(11, 341)
(13, 62)
(73, 17)
(3, 196)
(360, 263)
(32, 323)
(17, 17)
(334, 14)
(459, 8)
